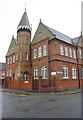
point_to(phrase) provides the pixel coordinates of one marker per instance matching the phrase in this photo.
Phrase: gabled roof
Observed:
(76, 40)
(53, 34)
(2, 66)
(24, 21)
(12, 47)
(60, 36)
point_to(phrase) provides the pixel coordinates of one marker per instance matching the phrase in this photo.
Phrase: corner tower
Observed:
(23, 49)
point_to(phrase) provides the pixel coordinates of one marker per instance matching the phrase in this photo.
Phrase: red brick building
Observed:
(52, 61)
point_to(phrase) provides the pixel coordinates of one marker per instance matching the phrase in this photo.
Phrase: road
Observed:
(41, 106)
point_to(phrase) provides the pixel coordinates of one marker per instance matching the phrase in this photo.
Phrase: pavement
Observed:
(33, 93)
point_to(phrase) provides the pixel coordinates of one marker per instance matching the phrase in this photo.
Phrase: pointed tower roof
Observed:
(24, 22)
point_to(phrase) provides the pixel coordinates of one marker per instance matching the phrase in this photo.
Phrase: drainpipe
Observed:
(49, 62)
(78, 67)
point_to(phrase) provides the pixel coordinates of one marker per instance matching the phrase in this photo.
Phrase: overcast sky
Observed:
(61, 15)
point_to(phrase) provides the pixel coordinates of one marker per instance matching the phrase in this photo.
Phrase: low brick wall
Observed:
(20, 84)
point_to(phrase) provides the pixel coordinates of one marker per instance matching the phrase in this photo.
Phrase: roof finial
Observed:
(25, 7)
(40, 20)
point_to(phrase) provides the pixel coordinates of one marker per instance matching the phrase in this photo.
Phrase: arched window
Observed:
(25, 75)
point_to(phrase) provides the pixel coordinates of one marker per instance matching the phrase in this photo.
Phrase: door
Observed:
(6, 82)
(35, 84)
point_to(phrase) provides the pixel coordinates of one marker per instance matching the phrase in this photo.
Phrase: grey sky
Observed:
(61, 15)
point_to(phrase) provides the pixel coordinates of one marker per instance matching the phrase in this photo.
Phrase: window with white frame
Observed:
(73, 72)
(3, 72)
(44, 50)
(16, 56)
(13, 58)
(65, 71)
(74, 54)
(82, 73)
(61, 50)
(70, 52)
(66, 51)
(35, 53)
(40, 51)
(36, 73)
(80, 52)
(25, 76)
(26, 56)
(10, 59)
(10, 72)
(44, 72)
(7, 72)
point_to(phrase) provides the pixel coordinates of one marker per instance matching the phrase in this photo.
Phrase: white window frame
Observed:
(80, 52)
(13, 58)
(26, 56)
(70, 52)
(74, 54)
(3, 72)
(65, 71)
(66, 51)
(10, 59)
(44, 50)
(35, 53)
(36, 73)
(40, 51)
(73, 72)
(16, 56)
(7, 72)
(44, 72)
(61, 50)
(26, 76)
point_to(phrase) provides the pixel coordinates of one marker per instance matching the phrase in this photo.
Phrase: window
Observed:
(3, 72)
(14, 59)
(35, 53)
(73, 72)
(44, 50)
(7, 72)
(82, 73)
(13, 76)
(70, 51)
(66, 51)
(80, 52)
(61, 50)
(16, 56)
(74, 53)
(16, 72)
(36, 73)
(44, 72)
(10, 72)
(10, 59)
(26, 56)
(65, 71)
(39, 51)
(25, 75)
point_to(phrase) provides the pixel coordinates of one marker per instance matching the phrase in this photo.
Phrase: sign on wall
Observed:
(26, 81)
(53, 73)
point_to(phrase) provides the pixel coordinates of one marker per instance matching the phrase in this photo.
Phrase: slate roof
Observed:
(24, 21)
(60, 36)
(76, 40)
(2, 66)
(12, 47)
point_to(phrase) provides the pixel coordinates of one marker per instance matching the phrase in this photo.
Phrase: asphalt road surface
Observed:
(41, 106)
